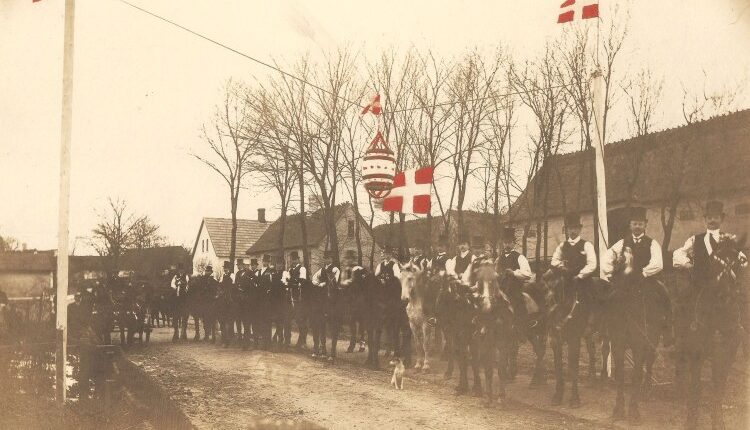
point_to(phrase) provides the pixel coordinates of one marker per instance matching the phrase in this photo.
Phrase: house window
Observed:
(350, 229)
(742, 209)
(203, 245)
(687, 215)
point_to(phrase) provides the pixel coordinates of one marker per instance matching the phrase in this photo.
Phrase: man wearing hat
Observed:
(226, 290)
(458, 265)
(209, 290)
(514, 269)
(351, 269)
(263, 318)
(327, 276)
(298, 281)
(575, 255)
(388, 269)
(417, 256)
(244, 280)
(647, 263)
(437, 264)
(180, 281)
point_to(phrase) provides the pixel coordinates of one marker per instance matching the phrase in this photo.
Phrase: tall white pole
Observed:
(64, 209)
(601, 187)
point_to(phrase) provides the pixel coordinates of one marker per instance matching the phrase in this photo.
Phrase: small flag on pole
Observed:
(373, 106)
(411, 192)
(588, 9)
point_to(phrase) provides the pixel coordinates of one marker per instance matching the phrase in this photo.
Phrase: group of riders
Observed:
(485, 305)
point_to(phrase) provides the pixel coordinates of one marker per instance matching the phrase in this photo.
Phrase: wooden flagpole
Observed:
(601, 187)
(64, 208)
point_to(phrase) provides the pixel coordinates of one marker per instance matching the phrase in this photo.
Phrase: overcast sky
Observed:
(143, 88)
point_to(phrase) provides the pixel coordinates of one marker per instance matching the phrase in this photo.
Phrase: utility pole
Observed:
(61, 322)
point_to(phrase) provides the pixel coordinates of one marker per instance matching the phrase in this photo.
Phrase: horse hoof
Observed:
(575, 403)
(331, 360)
(461, 390)
(477, 392)
(425, 369)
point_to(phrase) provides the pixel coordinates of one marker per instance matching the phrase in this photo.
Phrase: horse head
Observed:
(623, 262)
(411, 275)
(487, 278)
(727, 258)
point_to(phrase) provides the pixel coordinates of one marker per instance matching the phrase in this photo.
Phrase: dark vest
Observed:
(328, 271)
(182, 284)
(438, 263)
(641, 251)
(509, 261)
(574, 255)
(294, 273)
(386, 269)
(462, 263)
(701, 257)
(420, 261)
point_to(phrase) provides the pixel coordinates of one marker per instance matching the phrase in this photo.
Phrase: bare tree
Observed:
(230, 144)
(119, 230)
(472, 89)
(8, 243)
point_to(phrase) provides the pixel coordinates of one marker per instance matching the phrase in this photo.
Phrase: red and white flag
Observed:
(373, 106)
(583, 9)
(411, 192)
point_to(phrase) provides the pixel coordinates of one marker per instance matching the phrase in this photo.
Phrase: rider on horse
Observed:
(458, 266)
(514, 270)
(297, 282)
(437, 264)
(417, 257)
(352, 271)
(647, 262)
(575, 257)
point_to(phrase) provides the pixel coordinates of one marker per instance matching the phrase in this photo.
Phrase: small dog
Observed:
(397, 380)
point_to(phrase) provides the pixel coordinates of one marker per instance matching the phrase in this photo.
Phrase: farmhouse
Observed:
(212, 244)
(27, 273)
(317, 237)
(671, 173)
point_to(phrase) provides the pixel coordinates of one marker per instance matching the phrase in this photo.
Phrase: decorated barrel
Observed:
(378, 168)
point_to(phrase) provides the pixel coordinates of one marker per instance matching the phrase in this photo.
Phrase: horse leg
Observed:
(574, 356)
(511, 361)
(559, 377)
(184, 318)
(460, 351)
(634, 414)
(335, 328)
(591, 349)
(427, 334)
(449, 343)
(487, 359)
(648, 363)
(694, 366)
(196, 320)
(406, 346)
(606, 349)
(420, 349)
(721, 363)
(474, 355)
(618, 356)
(352, 334)
(539, 343)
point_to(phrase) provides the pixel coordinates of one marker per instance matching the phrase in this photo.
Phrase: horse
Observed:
(375, 300)
(332, 303)
(708, 326)
(396, 321)
(281, 311)
(568, 312)
(419, 295)
(494, 328)
(634, 320)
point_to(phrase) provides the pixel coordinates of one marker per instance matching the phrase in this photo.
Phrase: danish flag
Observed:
(411, 192)
(588, 9)
(373, 106)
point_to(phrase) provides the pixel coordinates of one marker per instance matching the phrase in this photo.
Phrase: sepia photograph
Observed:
(318, 214)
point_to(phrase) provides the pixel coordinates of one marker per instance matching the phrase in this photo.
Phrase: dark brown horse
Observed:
(634, 321)
(708, 327)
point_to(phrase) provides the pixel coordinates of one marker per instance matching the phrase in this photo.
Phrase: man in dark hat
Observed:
(437, 264)
(417, 256)
(388, 269)
(327, 276)
(297, 282)
(694, 254)
(244, 280)
(226, 291)
(264, 316)
(575, 255)
(351, 269)
(647, 263)
(458, 265)
(180, 281)
(209, 291)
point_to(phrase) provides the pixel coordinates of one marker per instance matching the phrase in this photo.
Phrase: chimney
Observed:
(262, 215)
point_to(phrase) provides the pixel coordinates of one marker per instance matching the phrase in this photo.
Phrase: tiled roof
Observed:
(315, 225)
(709, 157)
(27, 261)
(220, 232)
(418, 231)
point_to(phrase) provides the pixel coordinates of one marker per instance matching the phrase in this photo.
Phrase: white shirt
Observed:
(174, 281)
(524, 269)
(285, 276)
(396, 268)
(654, 266)
(588, 248)
(450, 266)
(682, 257)
(320, 281)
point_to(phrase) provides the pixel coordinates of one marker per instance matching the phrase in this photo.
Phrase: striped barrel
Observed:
(378, 169)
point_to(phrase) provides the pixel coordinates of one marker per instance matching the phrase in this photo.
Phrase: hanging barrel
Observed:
(378, 168)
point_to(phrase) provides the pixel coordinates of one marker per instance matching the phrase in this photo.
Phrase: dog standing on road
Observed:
(397, 380)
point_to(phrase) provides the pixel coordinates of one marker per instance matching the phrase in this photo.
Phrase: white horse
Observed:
(415, 292)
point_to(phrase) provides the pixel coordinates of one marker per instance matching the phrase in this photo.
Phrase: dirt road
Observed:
(230, 388)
